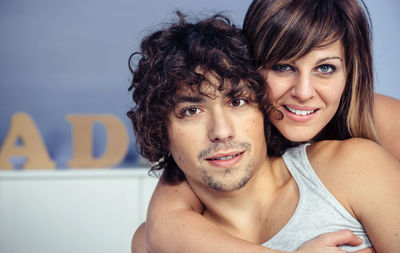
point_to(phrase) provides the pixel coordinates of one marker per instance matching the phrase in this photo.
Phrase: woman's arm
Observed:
(175, 225)
(376, 197)
(387, 121)
(366, 180)
(138, 240)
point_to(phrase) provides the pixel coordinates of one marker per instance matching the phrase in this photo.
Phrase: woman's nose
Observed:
(302, 87)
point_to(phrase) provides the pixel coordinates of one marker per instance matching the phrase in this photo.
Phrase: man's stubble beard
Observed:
(218, 185)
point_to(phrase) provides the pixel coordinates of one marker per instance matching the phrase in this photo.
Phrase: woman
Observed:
(276, 43)
(316, 58)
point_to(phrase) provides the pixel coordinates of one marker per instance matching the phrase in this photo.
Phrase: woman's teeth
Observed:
(299, 112)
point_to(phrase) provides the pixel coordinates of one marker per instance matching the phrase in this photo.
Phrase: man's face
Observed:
(217, 140)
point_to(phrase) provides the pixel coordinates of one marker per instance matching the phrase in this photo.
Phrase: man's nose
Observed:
(220, 127)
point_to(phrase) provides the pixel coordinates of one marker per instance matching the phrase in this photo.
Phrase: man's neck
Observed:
(239, 212)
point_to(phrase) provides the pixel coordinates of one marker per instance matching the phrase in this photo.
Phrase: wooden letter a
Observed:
(23, 128)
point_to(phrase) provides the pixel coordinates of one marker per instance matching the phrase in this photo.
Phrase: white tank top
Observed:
(317, 211)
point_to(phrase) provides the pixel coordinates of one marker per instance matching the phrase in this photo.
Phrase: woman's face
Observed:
(307, 91)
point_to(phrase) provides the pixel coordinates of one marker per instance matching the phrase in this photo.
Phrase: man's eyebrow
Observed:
(189, 99)
(241, 90)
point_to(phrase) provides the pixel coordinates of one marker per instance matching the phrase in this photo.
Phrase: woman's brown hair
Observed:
(289, 29)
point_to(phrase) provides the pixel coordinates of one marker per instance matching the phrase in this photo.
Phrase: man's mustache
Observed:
(228, 146)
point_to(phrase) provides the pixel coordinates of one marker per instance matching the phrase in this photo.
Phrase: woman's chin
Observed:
(298, 136)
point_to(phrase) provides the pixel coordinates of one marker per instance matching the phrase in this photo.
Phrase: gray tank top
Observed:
(317, 211)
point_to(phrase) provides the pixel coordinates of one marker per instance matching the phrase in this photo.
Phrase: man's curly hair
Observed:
(168, 61)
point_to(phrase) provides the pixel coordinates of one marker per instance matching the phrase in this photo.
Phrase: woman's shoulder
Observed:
(383, 100)
(348, 159)
(349, 167)
(386, 116)
(352, 148)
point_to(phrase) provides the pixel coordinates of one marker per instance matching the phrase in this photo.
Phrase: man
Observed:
(199, 116)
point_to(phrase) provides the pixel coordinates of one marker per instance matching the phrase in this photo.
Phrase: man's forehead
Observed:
(204, 89)
(212, 85)
(209, 89)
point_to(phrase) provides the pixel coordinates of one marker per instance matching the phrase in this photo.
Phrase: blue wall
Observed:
(62, 57)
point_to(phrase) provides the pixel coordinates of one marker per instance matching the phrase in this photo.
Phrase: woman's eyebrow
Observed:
(329, 58)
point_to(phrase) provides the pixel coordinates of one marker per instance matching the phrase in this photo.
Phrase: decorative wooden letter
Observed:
(23, 129)
(117, 141)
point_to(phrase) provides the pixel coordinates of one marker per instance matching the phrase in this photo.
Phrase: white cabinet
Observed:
(72, 210)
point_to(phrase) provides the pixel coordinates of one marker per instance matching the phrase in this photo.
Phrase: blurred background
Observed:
(71, 57)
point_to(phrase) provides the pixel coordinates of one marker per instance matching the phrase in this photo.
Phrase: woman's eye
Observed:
(238, 102)
(282, 67)
(326, 69)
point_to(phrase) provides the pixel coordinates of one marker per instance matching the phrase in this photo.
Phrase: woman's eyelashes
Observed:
(281, 67)
(323, 69)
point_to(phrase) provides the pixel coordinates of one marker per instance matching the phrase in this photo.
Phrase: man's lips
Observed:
(225, 160)
(225, 156)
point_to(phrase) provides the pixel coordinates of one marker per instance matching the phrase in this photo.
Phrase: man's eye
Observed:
(238, 102)
(326, 69)
(282, 67)
(191, 111)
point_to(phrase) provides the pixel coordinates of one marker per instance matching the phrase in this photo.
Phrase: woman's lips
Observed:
(299, 114)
